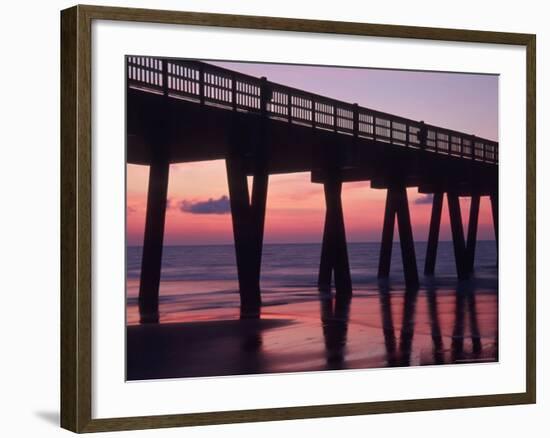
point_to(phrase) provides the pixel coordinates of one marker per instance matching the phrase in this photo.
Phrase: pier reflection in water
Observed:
(465, 327)
(389, 328)
(335, 320)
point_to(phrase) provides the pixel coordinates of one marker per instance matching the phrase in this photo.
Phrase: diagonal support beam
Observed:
(260, 184)
(397, 206)
(408, 255)
(248, 220)
(457, 232)
(325, 266)
(472, 232)
(387, 236)
(433, 237)
(464, 250)
(334, 253)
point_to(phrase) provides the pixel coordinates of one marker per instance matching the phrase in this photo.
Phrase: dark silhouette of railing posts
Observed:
(188, 79)
(422, 135)
(165, 87)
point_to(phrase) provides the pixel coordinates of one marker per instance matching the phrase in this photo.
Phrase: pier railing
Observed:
(207, 84)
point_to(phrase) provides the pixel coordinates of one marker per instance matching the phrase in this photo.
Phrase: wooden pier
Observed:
(185, 111)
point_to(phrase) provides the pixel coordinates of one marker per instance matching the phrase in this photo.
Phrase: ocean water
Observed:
(382, 325)
(203, 277)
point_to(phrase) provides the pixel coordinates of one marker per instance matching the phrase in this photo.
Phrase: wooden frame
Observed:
(76, 168)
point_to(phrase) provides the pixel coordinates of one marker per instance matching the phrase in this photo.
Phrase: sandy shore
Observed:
(367, 332)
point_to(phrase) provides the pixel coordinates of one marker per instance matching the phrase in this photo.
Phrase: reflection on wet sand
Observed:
(335, 319)
(465, 303)
(401, 357)
(437, 339)
(392, 328)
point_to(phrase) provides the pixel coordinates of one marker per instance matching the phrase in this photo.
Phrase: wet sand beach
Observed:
(370, 330)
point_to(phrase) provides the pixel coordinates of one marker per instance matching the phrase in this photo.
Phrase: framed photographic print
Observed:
(267, 218)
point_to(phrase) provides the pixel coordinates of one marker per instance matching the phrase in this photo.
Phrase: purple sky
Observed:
(464, 102)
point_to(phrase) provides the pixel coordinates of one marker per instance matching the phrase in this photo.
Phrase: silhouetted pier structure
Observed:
(184, 111)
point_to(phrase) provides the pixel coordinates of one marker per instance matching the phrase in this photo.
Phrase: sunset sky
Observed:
(198, 210)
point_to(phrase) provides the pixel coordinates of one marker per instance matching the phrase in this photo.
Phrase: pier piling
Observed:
(248, 220)
(433, 237)
(387, 237)
(494, 210)
(334, 253)
(201, 112)
(397, 205)
(457, 232)
(472, 232)
(153, 240)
